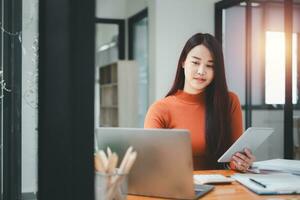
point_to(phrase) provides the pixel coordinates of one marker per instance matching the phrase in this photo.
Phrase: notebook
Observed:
(282, 165)
(273, 183)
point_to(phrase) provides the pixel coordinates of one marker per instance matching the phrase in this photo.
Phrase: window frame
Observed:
(131, 21)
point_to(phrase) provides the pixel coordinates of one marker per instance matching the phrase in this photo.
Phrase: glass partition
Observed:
(253, 42)
(19, 99)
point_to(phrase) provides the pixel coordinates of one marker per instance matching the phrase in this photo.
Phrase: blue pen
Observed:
(258, 183)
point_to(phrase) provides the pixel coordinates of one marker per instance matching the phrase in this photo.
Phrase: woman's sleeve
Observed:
(156, 116)
(236, 123)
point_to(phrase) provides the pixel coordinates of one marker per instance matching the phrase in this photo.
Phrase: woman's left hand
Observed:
(242, 161)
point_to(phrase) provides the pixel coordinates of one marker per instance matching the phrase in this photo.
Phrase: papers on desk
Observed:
(280, 165)
(273, 183)
(211, 179)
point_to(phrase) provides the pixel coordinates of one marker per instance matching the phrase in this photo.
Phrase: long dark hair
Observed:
(217, 98)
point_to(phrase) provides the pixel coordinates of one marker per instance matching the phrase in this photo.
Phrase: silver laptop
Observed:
(164, 165)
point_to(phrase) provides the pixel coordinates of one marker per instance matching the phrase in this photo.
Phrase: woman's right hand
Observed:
(242, 161)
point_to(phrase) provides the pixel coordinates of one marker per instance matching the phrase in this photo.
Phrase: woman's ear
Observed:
(182, 64)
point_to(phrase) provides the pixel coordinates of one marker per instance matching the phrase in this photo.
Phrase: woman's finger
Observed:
(240, 162)
(244, 161)
(238, 167)
(243, 157)
(237, 159)
(235, 164)
(250, 155)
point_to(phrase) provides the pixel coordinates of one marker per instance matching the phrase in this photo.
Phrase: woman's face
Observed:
(198, 70)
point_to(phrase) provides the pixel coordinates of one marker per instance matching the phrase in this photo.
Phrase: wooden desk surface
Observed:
(229, 191)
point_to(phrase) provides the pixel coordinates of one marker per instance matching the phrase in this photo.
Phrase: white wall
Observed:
(119, 9)
(175, 22)
(111, 9)
(134, 6)
(29, 96)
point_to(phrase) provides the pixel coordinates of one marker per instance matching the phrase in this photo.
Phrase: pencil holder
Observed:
(110, 186)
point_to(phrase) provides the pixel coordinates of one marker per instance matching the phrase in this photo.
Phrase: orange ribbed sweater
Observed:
(187, 111)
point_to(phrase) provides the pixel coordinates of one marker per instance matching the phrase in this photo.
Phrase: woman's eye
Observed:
(210, 66)
(195, 63)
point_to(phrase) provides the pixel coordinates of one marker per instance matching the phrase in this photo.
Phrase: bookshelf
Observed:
(118, 84)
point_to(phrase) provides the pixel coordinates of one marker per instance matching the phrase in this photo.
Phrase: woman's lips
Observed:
(201, 80)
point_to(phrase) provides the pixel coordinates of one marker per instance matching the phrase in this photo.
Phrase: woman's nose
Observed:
(201, 70)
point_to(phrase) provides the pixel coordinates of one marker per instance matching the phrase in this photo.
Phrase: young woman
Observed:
(199, 101)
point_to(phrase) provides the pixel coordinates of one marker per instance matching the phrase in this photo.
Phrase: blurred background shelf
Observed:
(118, 94)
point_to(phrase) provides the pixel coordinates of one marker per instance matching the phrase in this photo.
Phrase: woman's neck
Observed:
(190, 98)
(192, 91)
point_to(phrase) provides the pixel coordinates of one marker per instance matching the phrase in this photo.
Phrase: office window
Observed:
(138, 50)
(275, 68)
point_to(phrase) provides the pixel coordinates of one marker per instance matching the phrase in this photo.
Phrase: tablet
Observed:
(252, 138)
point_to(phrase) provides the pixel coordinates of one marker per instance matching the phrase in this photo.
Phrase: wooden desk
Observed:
(230, 191)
